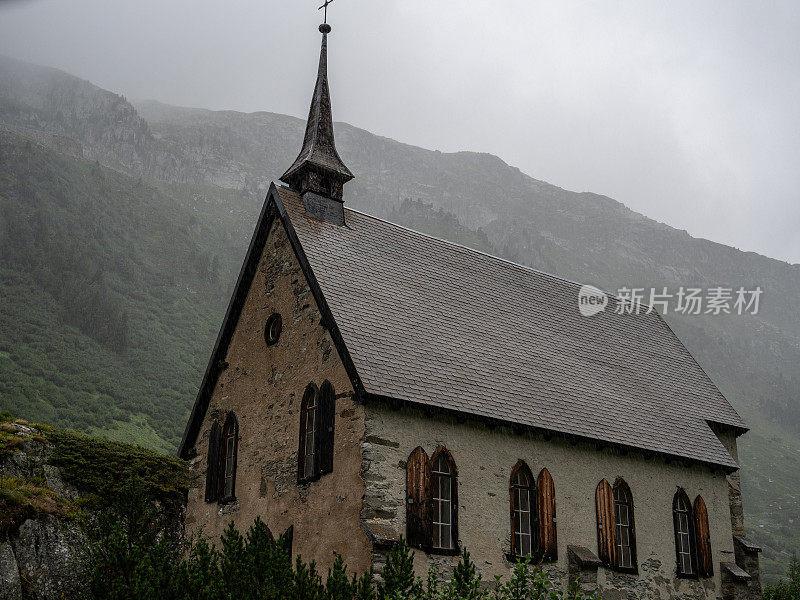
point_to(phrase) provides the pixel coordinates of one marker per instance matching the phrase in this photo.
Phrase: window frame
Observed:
(621, 486)
(444, 454)
(688, 511)
(311, 393)
(515, 488)
(274, 325)
(229, 441)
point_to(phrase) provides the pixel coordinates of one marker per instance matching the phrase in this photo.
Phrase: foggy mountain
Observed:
(123, 226)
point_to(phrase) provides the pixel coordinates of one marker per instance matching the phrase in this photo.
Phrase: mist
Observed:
(685, 111)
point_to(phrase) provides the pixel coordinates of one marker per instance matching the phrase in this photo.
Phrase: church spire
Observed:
(318, 174)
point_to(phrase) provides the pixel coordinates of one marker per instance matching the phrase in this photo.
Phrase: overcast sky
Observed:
(688, 112)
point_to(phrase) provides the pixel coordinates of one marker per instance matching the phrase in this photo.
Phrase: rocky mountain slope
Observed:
(202, 175)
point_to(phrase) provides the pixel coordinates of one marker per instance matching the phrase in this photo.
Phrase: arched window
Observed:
(625, 531)
(228, 455)
(705, 562)
(309, 439)
(524, 512)
(685, 543)
(616, 530)
(317, 427)
(444, 500)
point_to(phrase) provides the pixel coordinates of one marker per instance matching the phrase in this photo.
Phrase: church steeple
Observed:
(318, 174)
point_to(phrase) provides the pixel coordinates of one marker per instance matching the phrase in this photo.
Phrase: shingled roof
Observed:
(436, 324)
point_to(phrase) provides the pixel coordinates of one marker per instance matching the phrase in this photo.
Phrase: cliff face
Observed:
(46, 504)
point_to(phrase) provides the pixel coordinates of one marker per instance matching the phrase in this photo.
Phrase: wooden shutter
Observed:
(213, 463)
(288, 540)
(231, 427)
(327, 422)
(705, 563)
(547, 516)
(606, 530)
(301, 446)
(453, 497)
(418, 475)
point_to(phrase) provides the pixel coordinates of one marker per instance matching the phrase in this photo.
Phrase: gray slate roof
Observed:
(434, 323)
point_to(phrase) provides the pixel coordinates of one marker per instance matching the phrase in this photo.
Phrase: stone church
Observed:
(371, 382)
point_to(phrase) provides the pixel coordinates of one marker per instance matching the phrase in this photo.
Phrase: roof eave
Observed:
(497, 422)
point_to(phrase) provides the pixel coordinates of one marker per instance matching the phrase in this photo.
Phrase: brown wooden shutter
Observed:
(705, 562)
(327, 422)
(454, 498)
(301, 445)
(606, 530)
(547, 516)
(418, 475)
(231, 427)
(213, 463)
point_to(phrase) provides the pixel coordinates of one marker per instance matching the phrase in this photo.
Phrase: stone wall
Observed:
(484, 458)
(264, 387)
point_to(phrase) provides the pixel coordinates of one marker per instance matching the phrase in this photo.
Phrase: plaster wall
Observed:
(485, 457)
(264, 386)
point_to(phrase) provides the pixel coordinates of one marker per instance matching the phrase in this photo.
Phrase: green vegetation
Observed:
(22, 499)
(101, 470)
(133, 555)
(109, 297)
(786, 589)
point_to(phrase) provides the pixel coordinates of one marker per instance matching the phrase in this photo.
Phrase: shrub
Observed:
(133, 554)
(786, 589)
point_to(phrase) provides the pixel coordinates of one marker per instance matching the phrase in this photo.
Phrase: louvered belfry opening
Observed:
(319, 174)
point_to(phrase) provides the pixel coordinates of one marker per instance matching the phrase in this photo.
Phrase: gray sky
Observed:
(688, 112)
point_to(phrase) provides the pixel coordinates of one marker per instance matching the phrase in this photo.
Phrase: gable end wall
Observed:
(264, 386)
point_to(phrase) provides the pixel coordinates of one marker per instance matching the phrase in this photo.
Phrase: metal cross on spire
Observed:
(325, 6)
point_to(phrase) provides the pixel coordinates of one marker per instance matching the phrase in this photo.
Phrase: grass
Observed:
(22, 499)
(99, 469)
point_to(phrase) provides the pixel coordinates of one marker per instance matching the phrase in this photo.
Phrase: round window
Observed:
(272, 331)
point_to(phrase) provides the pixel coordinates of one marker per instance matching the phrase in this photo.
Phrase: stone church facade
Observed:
(370, 382)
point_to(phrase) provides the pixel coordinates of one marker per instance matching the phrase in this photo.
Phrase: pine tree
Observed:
(398, 574)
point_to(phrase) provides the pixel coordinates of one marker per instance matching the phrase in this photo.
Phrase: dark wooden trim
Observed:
(273, 208)
(548, 534)
(212, 462)
(620, 483)
(705, 556)
(533, 499)
(326, 407)
(231, 427)
(328, 321)
(547, 434)
(234, 311)
(418, 526)
(303, 477)
(681, 494)
(442, 450)
(606, 525)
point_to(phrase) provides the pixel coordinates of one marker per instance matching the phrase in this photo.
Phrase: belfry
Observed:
(318, 174)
